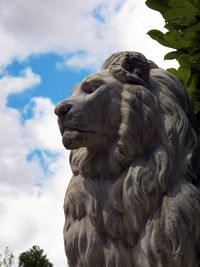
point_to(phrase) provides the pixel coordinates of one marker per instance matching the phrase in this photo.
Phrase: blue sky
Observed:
(46, 48)
(56, 82)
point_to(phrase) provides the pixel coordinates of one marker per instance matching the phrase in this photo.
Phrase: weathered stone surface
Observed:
(134, 198)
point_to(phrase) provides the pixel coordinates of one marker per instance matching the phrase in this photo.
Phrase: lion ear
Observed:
(152, 65)
(130, 67)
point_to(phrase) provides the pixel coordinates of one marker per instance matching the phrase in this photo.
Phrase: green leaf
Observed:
(158, 5)
(181, 3)
(171, 55)
(193, 84)
(196, 3)
(194, 92)
(190, 39)
(183, 74)
(174, 39)
(180, 40)
(186, 75)
(189, 61)
(172, 26)
(159, 37)
(175, 72)
(194, 28)
(181, 12)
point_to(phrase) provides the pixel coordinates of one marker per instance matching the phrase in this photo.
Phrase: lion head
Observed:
(134, 196)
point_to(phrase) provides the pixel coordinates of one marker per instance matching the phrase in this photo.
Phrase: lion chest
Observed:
(94, 231)
(90, 199)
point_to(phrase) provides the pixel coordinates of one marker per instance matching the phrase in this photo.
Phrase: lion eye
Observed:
(90, 87)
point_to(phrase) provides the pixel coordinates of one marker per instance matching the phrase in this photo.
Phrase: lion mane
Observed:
(137, 203)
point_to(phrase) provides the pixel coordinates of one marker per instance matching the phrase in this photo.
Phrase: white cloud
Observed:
(31, 214)
(42, 129)
(9, 84)
(13, 149)
(96, 28)
(36, 218)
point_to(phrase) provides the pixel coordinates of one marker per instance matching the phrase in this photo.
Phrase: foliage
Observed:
(7, 259)
(34, 258)
(182, 21)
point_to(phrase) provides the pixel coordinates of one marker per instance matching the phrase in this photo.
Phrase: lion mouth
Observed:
(76, 129)
(73, 128)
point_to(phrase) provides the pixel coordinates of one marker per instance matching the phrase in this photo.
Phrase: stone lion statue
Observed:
(134, 198)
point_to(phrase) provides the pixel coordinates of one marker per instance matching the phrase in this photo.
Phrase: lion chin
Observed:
(134, 197)
(73, 139)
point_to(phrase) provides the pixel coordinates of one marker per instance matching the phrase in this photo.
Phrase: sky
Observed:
(47, 46)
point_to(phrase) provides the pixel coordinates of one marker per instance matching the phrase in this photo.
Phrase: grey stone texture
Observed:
(134, 197)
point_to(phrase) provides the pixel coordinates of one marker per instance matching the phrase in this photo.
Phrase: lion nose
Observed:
(62, 108)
